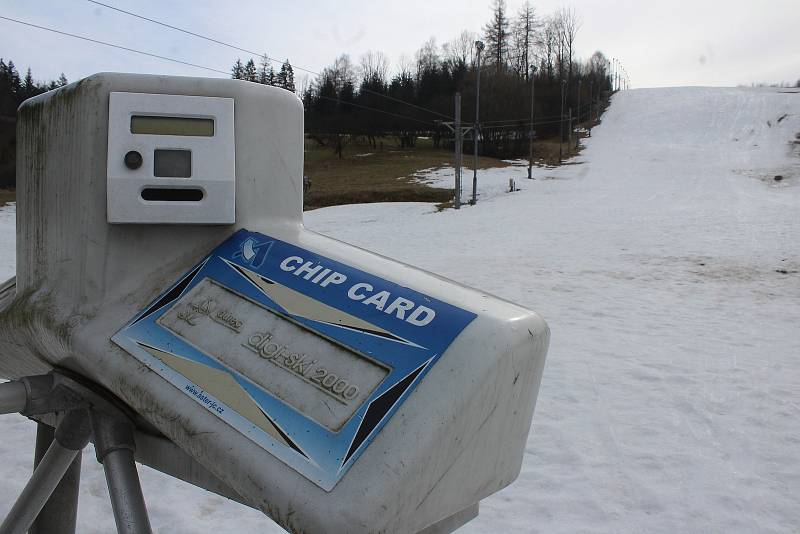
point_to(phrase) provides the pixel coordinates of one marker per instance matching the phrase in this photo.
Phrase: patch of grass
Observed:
(382, 174)
(545, 151)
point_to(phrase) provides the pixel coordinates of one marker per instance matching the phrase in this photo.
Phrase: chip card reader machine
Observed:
(162, 260)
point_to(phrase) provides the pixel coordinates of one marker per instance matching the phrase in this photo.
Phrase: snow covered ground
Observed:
(666, 259)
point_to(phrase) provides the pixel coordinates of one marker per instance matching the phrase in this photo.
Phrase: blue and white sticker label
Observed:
(306, 356)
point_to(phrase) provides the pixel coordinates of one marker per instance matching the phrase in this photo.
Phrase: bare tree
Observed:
(551, 39)
(342, 73)
(374, 67)
(569, 23)
(427, 57)
(304, 84)
(405, 67)
(460, 51)
(266, 74)
(597, 64)
(524, 32)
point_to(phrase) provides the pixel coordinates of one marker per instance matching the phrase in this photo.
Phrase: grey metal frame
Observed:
(54, 484)
(60, 513)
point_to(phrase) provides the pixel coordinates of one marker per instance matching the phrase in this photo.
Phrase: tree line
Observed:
(265, 74)
(368, 99)
(15, 89)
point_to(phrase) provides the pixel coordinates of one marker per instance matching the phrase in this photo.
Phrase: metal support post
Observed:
(561, 125)
(458, 147)
(591, 105)
(476, 131)
(71, 436)
(569, 133)
(60, 512)
(530, 131)
(114, 445)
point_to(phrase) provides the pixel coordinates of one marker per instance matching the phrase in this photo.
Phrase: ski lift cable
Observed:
(97, 41)
(187, 63)
(256, 54)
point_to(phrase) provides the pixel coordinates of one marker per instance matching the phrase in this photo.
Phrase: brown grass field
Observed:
(386, 174)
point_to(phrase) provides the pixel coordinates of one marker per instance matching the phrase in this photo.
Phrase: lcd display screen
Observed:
(161, 125)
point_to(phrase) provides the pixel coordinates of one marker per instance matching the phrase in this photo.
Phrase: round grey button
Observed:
(133, 160)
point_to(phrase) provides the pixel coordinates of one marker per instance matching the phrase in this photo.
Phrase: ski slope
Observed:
(666, 260)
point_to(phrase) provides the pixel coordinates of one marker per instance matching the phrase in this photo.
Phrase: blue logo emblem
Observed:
(253, 252)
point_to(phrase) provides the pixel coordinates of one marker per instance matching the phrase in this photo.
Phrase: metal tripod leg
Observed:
(61, 510)
(114, 444)
(88, 413)
(71, 436)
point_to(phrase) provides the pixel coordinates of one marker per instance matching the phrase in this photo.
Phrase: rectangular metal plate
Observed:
(306, 356)
(318, 378)
(187, 143)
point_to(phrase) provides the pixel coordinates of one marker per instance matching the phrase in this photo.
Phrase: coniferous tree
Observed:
(62, 80)
(7, 100)
(250, 73)
(28, 85)
(280, 78)
(13, 76)
(237, 72)
(286, 76)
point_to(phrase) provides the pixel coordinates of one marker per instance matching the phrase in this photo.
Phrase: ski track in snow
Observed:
(671, 394)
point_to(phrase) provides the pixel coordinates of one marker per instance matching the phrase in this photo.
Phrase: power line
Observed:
(210, 39)
(112, 45)
(528, 120)
(518, 125)
(405, 117)
(509, 121)
(165, 58)
(254, 53)
(407, 103)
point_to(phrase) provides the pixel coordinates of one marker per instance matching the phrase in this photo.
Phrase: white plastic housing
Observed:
(212, 161)
(457, 438)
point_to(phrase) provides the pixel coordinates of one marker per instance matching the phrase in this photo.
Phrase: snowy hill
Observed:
(666, 260)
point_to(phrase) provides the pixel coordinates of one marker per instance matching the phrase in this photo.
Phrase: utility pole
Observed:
(569, 134)
(530, 131)
(614, 76)
(591, 105)
(457, 131)
(458, 157)
(477, 127)
(561, 125)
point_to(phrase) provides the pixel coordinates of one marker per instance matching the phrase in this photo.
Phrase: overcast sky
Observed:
(660, 43)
